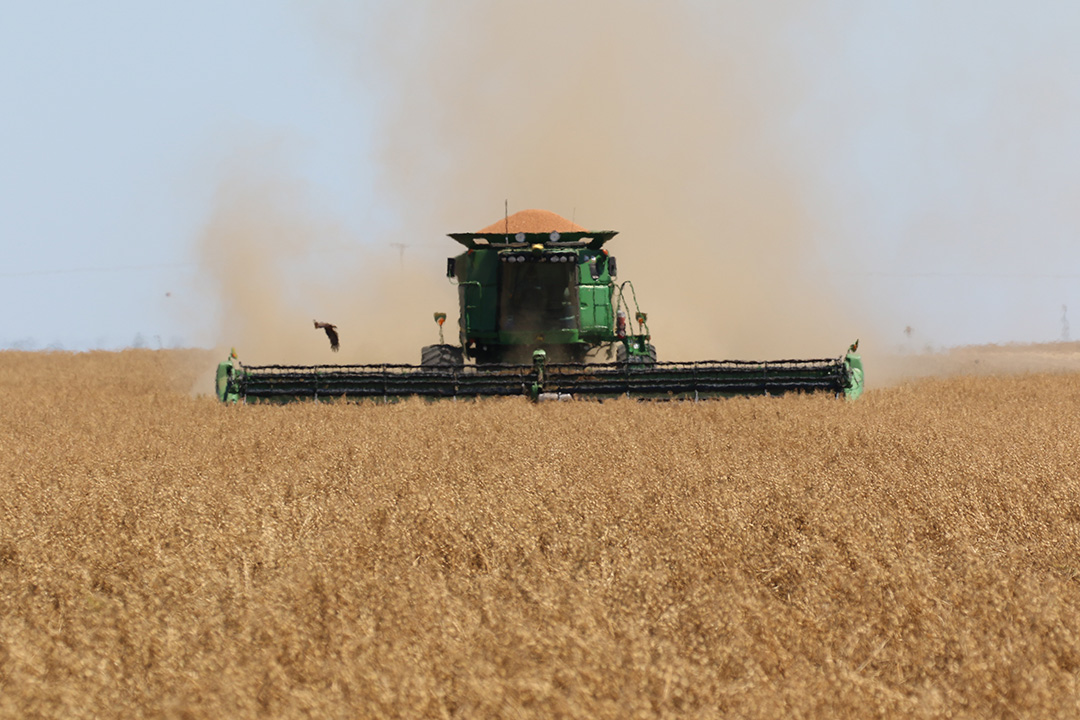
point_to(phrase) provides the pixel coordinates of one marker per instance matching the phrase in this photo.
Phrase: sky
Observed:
(785, 177)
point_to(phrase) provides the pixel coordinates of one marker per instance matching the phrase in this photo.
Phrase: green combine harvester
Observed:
(541, 315)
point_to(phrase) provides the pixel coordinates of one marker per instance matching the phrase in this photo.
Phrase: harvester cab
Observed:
(538, 302)
(526, 291)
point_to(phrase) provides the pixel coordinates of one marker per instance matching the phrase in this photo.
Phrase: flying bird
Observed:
(331, 332)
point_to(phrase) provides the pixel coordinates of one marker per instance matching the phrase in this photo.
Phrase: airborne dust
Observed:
(654, 121)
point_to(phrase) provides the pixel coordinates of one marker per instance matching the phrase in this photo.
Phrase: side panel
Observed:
(595, 290)
(478, 292)
(596, 313)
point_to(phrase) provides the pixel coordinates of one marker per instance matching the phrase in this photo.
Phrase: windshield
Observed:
(538, 296)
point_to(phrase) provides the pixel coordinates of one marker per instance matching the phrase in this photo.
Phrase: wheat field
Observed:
(912, 554)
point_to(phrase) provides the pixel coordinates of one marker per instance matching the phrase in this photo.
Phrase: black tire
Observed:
(621, 356)
(441, 356)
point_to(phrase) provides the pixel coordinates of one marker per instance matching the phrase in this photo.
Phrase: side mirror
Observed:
(611, 267)
(451, 266)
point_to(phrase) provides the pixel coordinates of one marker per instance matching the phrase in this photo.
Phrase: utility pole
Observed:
(401, 252)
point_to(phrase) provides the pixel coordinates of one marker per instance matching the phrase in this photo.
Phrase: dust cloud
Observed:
(659, 121)
(697, 130)
(662, 121)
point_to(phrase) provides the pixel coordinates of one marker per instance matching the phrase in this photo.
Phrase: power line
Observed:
(973, 275)
(114, 268)
(336, 251)
(401, 250)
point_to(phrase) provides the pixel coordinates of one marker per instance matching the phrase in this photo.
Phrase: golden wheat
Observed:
(913, 554)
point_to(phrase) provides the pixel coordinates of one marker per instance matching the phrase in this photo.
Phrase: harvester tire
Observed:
(621, 356)
(441, 356)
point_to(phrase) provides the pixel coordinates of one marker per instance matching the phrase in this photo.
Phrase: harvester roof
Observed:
(533, 227)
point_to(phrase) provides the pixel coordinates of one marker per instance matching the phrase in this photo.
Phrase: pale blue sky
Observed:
(939, 141)
(116, 117)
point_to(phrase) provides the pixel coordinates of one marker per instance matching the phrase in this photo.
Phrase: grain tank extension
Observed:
(542, 314)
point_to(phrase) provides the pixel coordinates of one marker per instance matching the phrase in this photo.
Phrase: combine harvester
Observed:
(537, 310)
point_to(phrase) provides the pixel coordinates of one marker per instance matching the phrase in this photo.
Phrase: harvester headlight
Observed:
(520, 237)
(554, 236)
